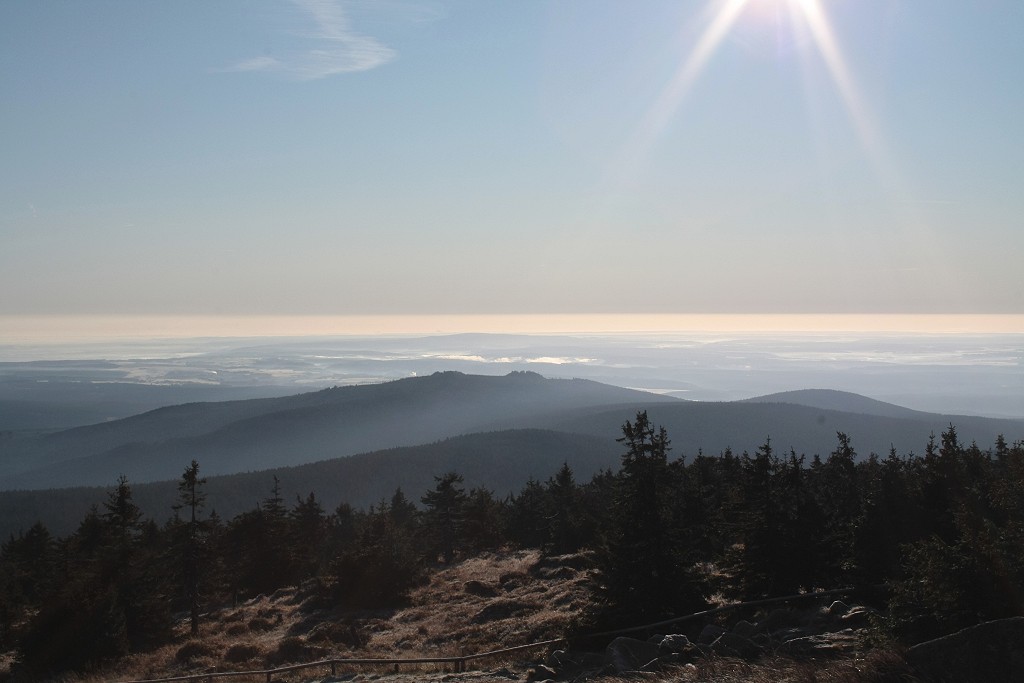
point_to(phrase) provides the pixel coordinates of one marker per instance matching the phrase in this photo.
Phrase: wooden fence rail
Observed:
(460, 662)
(333, 664)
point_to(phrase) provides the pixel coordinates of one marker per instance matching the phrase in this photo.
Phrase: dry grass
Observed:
(452, 615)
(484, 603)
(874, 667)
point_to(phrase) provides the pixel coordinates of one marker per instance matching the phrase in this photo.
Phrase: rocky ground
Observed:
(514, 598)
(490, 601)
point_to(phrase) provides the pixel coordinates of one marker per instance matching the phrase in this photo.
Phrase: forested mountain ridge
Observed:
(239, 436)
(502, 462)
(260, 434)
(739, 426)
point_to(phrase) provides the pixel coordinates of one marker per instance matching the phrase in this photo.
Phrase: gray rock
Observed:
(993, 651)
(541, 673)
(710, 634)
(661, 663)
(744, 628)
(786, 634)
(837, 609)
(777, 619)
(630, 654)
(674, 643)
(859, 616)
(592, 660)
(732, 645)
(723, 650)
(558, 658)
(821, 644)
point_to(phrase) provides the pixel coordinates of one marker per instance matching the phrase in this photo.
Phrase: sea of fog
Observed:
(977, 374)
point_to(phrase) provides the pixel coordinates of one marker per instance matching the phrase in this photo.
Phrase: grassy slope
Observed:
(484, 603)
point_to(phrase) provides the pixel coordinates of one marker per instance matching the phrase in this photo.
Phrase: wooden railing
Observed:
(459, 663)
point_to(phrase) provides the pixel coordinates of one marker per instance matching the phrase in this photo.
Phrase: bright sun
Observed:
(722, 15)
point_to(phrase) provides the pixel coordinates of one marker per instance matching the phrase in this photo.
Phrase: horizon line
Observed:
(77, 328)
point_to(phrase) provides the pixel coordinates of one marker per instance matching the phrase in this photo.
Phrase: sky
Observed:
(406, 158)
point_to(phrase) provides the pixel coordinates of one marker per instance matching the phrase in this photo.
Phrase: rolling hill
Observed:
(842, 401)
(499, 461)
(240, 436)
(358, 444)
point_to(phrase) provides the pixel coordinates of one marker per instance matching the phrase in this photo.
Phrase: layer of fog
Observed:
(953, 374)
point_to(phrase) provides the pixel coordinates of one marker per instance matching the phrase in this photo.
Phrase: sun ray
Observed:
(723, 15)
(825, 41)
(667, 102)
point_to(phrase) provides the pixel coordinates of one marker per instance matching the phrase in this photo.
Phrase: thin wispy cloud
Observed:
(333, 48)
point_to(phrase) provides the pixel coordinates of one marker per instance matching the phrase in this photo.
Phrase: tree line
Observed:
(935, 540)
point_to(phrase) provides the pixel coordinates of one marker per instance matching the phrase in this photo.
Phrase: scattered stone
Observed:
(710, 634)
(558, 658)
(859, 616)
(744, 628)
(732, 645)
(778, 618)
(821, 644)
(787, 634)
(541, 673)
(630, 654)
(837, 609)
(674, 643)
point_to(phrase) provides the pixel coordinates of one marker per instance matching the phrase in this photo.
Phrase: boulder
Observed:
(744, 628)
(837, 609)
(710, 634)
(630, 654)
(778, 618)
(732, 645)
(541, 673)
(993, 651)
(821, 644)
(673, 644)
(859, 616)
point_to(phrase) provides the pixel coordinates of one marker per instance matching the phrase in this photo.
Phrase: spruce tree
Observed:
(192, 543)
(645, 565)
(443, 517)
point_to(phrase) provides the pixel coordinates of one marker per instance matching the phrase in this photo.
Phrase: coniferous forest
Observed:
(934, 541)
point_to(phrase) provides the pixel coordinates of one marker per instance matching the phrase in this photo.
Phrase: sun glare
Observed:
(721, 16)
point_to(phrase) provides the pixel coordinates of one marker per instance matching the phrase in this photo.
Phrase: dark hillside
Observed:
(238, 436)
(499, 461)
(743, 426)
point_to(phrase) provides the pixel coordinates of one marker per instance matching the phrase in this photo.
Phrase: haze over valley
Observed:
(236, 407)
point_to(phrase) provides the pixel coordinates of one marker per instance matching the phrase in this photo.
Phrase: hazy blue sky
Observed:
(390, 157)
